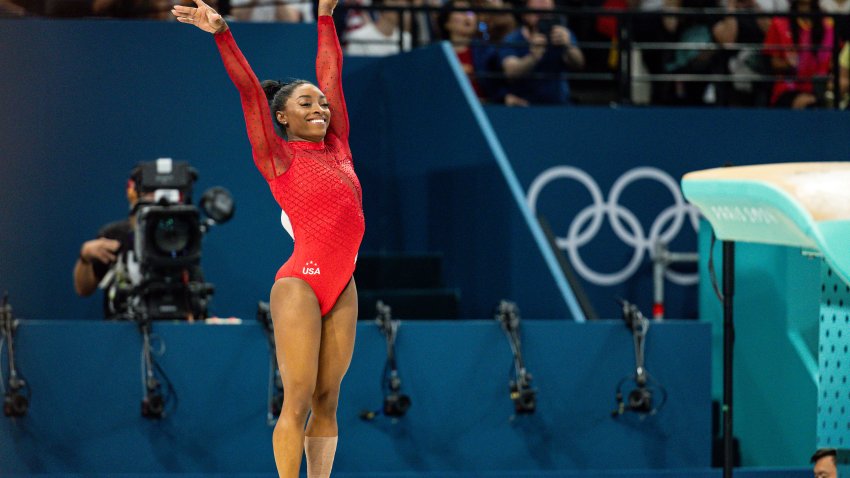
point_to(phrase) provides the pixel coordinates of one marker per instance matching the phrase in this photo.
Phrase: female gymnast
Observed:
(310, 174)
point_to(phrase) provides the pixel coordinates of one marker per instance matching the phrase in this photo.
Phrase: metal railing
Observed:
(617, 80)
(621, 79)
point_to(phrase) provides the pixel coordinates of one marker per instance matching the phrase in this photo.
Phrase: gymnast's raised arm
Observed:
(271, 155)
(329, 70)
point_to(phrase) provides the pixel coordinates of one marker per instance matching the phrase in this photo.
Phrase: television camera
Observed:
(159, 276)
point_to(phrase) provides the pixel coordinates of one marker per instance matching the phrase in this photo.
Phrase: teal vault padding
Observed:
(833, 428)
(751, 211)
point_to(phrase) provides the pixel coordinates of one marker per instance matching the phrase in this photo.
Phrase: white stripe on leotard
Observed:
(284, 221)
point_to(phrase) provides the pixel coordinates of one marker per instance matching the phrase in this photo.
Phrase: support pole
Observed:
(728, 344)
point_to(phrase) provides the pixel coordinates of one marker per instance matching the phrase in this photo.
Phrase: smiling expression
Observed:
(306, 114)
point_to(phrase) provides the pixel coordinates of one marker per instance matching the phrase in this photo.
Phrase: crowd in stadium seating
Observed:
(521, 59)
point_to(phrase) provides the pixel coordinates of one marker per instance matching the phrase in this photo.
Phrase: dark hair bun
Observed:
(270, 87)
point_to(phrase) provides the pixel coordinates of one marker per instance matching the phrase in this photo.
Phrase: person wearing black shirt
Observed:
(97, 256)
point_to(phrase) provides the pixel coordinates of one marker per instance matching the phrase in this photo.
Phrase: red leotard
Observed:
(313, 182)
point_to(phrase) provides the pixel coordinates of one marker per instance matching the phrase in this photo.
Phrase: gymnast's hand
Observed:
(326, 7)
(203, 17)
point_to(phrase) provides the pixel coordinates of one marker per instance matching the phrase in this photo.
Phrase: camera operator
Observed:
(98, 255)
(149, 263)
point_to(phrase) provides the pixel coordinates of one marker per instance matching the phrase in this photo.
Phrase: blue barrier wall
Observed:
(86, 388)
(85, 101)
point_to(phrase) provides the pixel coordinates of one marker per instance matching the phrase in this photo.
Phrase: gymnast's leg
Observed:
(298, 334)
(338, 330)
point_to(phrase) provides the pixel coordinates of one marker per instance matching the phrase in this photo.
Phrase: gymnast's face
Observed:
(305, 114)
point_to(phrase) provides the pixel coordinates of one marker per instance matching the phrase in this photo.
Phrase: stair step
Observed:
(399, 271)
(407, 304)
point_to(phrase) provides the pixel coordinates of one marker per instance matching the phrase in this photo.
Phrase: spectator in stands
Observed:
(460, 27)
(706, 29)
(774, 6)
(743, 62)
(152, 9)
(537, 55)
(58, 8)
(424, 27)
(844, 76)
(841, 7)
(496, 25)
(835, 6)
(264, 11)
(649, 28)
(353, 16)
(380, 37)
(824, 463)
(800, 48)
(8, 8)
(706, 61)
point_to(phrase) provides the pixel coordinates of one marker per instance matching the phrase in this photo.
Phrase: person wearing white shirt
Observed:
(835, 6)
(381, 37)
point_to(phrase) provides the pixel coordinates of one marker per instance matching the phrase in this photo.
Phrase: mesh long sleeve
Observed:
(329, 74)
(272, 155)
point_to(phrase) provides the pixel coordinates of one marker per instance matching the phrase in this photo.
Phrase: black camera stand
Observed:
(521, 392)
(275, 390)
(156, 400)
(396, 403)
(16, 397)
(640, 399)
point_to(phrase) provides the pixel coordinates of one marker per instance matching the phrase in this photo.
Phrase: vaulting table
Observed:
(804, 205)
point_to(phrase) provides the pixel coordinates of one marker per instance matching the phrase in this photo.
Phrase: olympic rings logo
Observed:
(586, 224)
